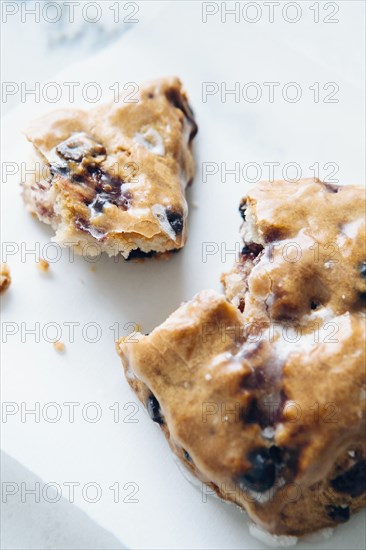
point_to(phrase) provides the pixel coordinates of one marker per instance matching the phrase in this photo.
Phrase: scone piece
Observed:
(115, 176)
(303, 251)
(264, 399)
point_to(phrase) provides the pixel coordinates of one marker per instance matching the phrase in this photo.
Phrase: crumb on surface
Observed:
(194, 204)
(93, 268)
(5, 278)
(59, 346)
(43, 265)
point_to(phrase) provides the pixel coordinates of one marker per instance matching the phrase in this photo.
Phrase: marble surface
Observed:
(30, 525)
(36, 50)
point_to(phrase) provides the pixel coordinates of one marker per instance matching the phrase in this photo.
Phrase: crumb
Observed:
(194, 204)
(5, 278)
(93, 268)
(59, 346)
(43, 265)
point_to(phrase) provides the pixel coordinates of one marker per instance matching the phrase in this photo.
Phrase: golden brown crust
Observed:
(5, 278)
(115, 176)
(265, 399)
(314, 239)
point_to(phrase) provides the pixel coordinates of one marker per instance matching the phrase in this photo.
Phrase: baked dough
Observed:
(262, 395)
(113, 179)
(5, 278)
(304, 251)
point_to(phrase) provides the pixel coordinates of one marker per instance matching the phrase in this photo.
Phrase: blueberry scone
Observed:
(262, 394)
(115, 176)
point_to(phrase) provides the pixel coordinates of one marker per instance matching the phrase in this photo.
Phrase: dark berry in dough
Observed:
(331, 187)
(340, 514)
(262, 474)
(242, 210)
(176, 220)
(153, 408)
(352, 482)
(251, 250)
(187, 456)
(138, 254)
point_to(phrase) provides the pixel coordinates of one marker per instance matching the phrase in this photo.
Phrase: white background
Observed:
(168, 39)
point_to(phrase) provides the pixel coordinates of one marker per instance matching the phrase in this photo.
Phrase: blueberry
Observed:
(252, 250)
(138, 254)
(363, 269)
(262, 474)
(275, 454)
(339, 514)
(252, 413)
(187, 456)
(352, 482)
(98, 203)
(176, 220)
(153, 409)
(57, 169)
(331, 187)
(242, 210)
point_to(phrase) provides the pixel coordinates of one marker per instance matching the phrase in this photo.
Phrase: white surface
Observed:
(169, 513)
(57, 45)
(44, 525)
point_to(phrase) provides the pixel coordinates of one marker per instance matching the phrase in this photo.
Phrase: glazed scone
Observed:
(303, 251)
(116, 175)
(263, 399)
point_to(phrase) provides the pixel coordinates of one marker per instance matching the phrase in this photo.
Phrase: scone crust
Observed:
(5, 278)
